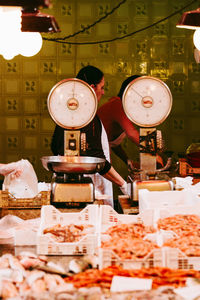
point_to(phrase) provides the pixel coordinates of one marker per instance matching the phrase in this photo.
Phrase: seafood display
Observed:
(132, 248)
(190, 244)
(126, 240)
(68, 233)
(182, 225)
(20, 279)
(159, 276)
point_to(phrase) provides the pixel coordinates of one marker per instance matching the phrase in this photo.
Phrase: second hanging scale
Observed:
(147, 102)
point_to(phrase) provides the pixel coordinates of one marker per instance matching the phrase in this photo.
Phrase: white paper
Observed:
(122, 284)
(188, 293)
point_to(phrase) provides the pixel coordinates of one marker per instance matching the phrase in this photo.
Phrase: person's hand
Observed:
(124, 189)
(159, 160)
(10, 168)
(132, 165)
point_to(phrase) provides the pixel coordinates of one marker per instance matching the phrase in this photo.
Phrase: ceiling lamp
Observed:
(20, 25)
(190, 20)
(35, 21)
(23, 3)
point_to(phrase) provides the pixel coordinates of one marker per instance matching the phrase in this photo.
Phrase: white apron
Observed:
(102, 185)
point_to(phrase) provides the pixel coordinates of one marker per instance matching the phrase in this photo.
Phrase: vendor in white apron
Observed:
(103, 187)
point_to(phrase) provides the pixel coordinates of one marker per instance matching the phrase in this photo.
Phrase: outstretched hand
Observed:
(10, 168)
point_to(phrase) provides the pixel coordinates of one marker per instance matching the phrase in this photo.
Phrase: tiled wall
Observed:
(163, 51)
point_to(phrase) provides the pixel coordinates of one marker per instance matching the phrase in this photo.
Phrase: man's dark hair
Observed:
(125, 83)
(90, 74)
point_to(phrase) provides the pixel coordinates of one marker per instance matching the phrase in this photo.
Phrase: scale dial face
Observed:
(147, 101)
(72, 103)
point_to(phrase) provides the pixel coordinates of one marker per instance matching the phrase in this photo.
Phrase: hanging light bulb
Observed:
(30, 43)
(10, 24)
(196, 39)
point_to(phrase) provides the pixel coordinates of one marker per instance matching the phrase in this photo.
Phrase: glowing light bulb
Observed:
(196, 39)
(30, 43)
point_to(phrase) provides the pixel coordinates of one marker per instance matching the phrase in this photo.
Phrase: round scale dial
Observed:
(72, 103)
(147, 101)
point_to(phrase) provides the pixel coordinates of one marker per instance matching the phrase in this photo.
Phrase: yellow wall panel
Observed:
(12, 123)
(30, 142)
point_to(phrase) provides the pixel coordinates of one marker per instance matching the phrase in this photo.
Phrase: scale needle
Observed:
(136, 92)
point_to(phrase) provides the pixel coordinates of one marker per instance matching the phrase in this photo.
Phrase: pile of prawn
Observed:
(126, 240)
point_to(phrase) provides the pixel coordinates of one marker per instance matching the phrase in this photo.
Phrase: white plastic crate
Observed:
(164, 199)
(109, 217)
(153, 259)
(176, 259)
(50, 216)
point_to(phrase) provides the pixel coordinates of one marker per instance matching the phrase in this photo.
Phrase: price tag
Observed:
(122, 284)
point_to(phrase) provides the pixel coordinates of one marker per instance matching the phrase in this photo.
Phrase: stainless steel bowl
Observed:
(73, 164)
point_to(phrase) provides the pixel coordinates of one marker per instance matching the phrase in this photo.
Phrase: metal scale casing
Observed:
(72, 104)
(147, 102)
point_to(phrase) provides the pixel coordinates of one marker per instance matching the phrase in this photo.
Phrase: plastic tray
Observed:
(50, 216)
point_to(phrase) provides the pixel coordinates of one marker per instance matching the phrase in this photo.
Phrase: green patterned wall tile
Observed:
(30, 142)
(178, 47)
(66, 10)
(66, 68)
(141, 67)
(122, 49)
(66, 28)
(30, 86)
(194, 86)
(87, 51)
(12, 123)
(30, 67)
(46, 85)
(194, 124)
(30, 123)
(11, 86)
(30, 105)
(159, 9)
(141, 9)
(12, 104)
(194, 68)
(179, 143)
(122, 28)
(12, 67)
(43, 104)
(84, 10)
(45, 142)
(195, 105)
(178, 106)
(177, 67)
(123, 66)
(178, 86)
(104, 49)
(86, 32)
(48, 49)
(178, 124)
(141, 48)
(48, 67)
(161, 30)
(103, 8)
(47, 124)
(103, 29)
(66, 50)
(158, 49)
(160, 69)
(12, 142)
